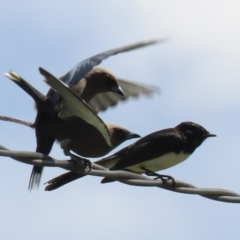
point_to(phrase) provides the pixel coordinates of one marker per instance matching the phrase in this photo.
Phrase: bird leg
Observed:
(65, 146)
(164, 178)
(83, 162)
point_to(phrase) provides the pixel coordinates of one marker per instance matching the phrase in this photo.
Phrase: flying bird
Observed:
(154, 152)
(80, 79)
(78, 72)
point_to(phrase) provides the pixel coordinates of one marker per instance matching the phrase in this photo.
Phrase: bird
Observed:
(101, 102)
(77, 73)
(82, 72)
(73, 111)
(156, 151)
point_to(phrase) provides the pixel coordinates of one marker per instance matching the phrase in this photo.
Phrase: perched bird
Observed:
(82, 79)
(76, 122)
(154, 152)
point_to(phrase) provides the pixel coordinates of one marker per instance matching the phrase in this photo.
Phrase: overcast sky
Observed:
(199, 76)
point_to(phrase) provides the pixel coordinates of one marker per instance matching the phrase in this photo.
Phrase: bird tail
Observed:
(43, 105)
(38, 97)
(35, 178)
(62, 180)
(72, 176)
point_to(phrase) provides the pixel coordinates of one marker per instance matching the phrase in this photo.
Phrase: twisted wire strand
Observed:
(122, 176)
(16, 120)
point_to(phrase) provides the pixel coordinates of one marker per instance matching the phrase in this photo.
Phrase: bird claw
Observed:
(65, 146)
(164, 178)
(81, 162)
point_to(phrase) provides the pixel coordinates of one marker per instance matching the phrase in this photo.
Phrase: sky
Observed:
(199, 76)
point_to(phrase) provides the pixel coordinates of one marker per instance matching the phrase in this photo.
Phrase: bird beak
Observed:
(211, 135)
(132, 135)
(118, 90)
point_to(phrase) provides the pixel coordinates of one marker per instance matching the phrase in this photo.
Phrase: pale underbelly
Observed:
(165, 161)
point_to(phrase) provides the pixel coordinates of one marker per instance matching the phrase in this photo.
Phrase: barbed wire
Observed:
(122, 176)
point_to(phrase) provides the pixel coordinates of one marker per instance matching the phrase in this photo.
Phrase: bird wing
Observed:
(39, 98)
(102, 101)
(72, 105)
(73, 76)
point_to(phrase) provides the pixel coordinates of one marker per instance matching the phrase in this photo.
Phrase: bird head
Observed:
(102, 80)
(120, 134)
(194, 133)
